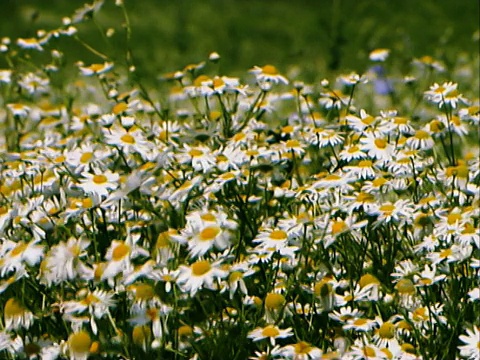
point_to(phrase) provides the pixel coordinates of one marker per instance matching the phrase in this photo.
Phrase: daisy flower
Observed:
(268, 73)
(79, 344)
(236, 279)
(429, 62)
(95, 69)
(29, 43)
(351, 152)
(360, 324)
(360, 124)
(17, 109)
(421, 140)
(446, 93)
(206, 238)
(19, 254)
(200, 157)
(301, 351)
(272, 239)
(34, 84)
(379, 54)
(333, 99)
(365, 351)
(181, 193)
(120, 254)
(377, 147)
(84, 156)
(455, 124)
(365, 169)
(428, 276)
(132, 141)
(97, 303)
(401, 211)
(5, 76)
(324, 137)
(200, 274)
(352, 79)
(63, 261)
(99, 183)
(338, 226)
(16, 315)
(270, 332)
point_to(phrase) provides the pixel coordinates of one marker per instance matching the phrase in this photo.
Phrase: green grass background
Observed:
(317, 37)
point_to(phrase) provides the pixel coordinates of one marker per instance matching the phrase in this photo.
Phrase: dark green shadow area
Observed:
(314, 36)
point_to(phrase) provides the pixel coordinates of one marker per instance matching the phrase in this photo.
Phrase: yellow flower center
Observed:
(408, 348)
(60, 159)
(462, 171)
(292, 144)
(468, 229)
(163, 240)
(368, 279)
(201, 79)
(333, 177)
(387, 353)
(387, 209)
(209, 233)
(270, 331)
(365, 163)
(278, 235)
(353, 149)
(445, 253)
(364, 197)
(379, 182)
(360, 322)
(288, 129)
(185, 330)
(208, 217)
(323, 288)
(218, 82)
(405, 286)
(90, 299)
(452, 219)
(144, 292)
(86, 157)
(19, 249)
(404, 325)
(380, 143)
(227, 176)
(119, 108)
(87, 203)
(95, 347)
(369, 351)
(201, 267)
(274, 301)
(80, 342)
(368, 120)
(387, 330)
(13, 308)
(120, 251)
(422, 134)
(140, 334)
(235, 276)
(128, 139)
(195, 152)
(338, 227)
(269, 70)
(99, 179)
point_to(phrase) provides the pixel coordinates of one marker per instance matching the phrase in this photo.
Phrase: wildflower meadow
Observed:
(259, 216)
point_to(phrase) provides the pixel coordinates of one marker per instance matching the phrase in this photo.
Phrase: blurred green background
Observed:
(310, 37)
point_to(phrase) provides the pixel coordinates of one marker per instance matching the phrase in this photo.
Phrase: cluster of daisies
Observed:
(237, 219)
